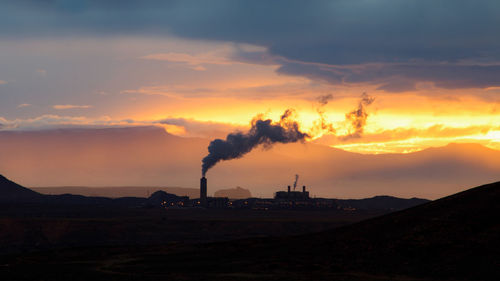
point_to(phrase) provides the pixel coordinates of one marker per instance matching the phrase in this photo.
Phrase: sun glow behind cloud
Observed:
(387, 130)
(148, 80)
(414, 144)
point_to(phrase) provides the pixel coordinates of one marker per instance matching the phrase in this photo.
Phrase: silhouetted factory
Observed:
(292, 195)
(289, 199)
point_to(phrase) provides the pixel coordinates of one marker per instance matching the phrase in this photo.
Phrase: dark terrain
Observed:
(30, 221)
(454, 238)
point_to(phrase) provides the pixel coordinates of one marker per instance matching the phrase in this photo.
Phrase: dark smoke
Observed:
(263, 132)
(357, 118)
(322, 125)
(324, 99)
(295, 182)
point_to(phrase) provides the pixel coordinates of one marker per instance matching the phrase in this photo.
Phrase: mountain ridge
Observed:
(149, 156)
(11, 191)
(382, 202)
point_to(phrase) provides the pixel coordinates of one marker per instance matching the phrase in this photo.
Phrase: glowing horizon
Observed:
(427, 93)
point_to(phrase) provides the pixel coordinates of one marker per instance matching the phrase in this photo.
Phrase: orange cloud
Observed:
(192, 60)
(70, 106)
(404, 140)
(226, 54)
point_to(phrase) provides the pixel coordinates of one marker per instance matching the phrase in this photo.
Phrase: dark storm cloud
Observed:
(406, 35)
(401, 77)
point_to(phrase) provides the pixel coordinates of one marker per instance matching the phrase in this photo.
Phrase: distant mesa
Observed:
(234, 193)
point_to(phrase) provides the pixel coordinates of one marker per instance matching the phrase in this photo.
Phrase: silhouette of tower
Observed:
(203, 191)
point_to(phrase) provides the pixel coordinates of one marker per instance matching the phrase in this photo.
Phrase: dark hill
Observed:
(381, 203)
(13, 192)
(453, 238)
(159, 197)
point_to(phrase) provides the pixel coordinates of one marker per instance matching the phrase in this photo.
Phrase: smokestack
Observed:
(288, 189)
(203, 191)
(303, 189)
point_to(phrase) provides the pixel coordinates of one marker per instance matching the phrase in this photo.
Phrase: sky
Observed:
(206, 68)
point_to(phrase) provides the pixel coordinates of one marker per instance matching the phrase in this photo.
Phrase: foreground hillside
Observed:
(454, 238)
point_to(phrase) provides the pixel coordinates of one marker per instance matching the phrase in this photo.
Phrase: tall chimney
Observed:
(303, 189)
(288, 189)
(203, 191)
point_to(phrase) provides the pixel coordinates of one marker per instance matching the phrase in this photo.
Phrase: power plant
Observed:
(289, 199)
(293, 195)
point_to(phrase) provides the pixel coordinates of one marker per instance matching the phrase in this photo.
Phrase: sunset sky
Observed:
(205, 68)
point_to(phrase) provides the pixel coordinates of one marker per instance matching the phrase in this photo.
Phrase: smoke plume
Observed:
(263, 132)
(357, 118)
(321, 125)
(324, 99)
(295, 182)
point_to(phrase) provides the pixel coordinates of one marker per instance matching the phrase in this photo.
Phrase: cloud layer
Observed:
(396, 43)
(70, 106)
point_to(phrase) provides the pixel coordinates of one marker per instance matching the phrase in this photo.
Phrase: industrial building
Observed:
(292, 195)
(282, 200)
